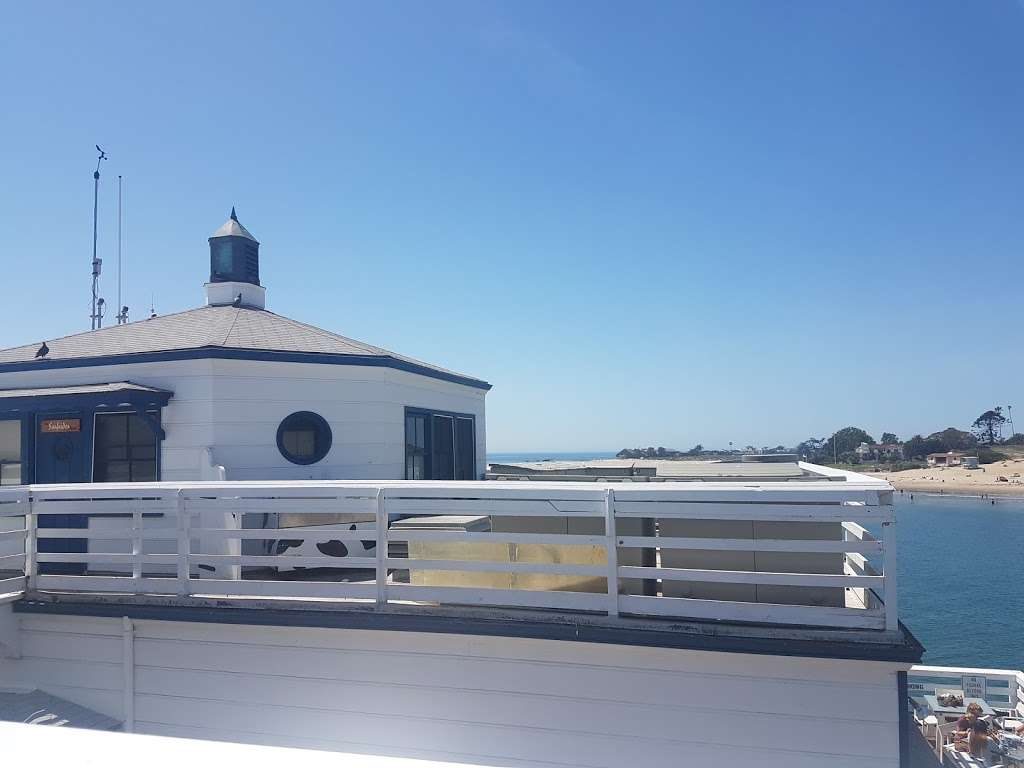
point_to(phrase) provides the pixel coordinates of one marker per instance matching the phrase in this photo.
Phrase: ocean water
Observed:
(501, 458)
(961, 572)
(961, 580)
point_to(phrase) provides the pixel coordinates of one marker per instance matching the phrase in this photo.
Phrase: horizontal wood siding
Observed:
(235, 407)
(364, 406)
(509, 701)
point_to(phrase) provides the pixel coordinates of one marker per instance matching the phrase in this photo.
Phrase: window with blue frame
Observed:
(439, 445)
(304, 437)
(10, 452)
(124, 449)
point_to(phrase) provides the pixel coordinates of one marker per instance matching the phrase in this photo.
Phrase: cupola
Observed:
(235, 267)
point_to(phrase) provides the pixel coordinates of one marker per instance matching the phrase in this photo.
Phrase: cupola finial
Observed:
(233, 216)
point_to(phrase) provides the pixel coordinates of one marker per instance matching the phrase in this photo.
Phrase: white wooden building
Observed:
(156, 476)
(232, 390)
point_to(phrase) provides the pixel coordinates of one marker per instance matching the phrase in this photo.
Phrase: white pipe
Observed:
(128, 659)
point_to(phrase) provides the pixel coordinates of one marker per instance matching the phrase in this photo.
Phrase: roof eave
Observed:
(239, 353)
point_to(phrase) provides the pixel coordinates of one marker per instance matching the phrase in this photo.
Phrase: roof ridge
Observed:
(238, 311)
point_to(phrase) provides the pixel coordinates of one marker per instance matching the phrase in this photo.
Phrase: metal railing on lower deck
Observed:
(798, 554)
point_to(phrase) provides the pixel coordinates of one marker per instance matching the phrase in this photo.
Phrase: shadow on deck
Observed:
(921, 753)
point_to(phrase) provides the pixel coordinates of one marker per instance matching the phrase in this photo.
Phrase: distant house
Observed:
(948, 459)
(889, 450)
(867, 451)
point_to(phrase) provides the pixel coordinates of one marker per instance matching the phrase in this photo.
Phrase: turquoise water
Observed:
(961, 573)
(961, 579)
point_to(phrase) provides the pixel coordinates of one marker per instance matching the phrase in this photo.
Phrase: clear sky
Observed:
(643, 223)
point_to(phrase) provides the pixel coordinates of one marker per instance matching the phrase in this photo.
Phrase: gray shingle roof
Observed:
(224, 327)
(86, 389)
(43, 708)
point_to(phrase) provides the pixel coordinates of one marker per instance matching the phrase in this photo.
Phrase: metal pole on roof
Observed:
(120, 319)
(97, 263)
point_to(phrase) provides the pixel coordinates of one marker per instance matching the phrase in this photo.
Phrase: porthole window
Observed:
(304, 437)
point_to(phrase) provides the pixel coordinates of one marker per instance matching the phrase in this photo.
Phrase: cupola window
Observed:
(223, 262)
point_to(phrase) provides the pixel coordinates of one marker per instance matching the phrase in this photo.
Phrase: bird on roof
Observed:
(43, 350)
(237, 302)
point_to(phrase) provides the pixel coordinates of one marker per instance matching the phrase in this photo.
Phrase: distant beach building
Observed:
(948, 459)
(970, 462)
(866, 451)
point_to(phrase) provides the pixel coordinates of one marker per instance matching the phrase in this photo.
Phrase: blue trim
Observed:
(322, 443)
(132, 398)
(227, 353)
(30, 408)
(429, 413)
(903, 715)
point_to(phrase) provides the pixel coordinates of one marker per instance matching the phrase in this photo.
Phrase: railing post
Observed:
(136, 548)
(892, 614)
(611, 552)
(31, 566)
(184, 545)
(382, 548)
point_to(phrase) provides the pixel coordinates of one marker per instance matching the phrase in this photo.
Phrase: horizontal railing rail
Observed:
(780, 553)
(1003, 689)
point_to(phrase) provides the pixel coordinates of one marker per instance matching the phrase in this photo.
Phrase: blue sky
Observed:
(643, 223)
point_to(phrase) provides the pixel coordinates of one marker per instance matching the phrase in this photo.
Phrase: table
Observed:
(955, 713)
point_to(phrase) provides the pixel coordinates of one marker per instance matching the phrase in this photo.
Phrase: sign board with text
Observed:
(49, 426)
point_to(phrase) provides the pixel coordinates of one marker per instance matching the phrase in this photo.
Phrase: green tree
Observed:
(989, 426)
(916, 448)
(845, 440)
(952, 439)
(889, 437)
(811, 449)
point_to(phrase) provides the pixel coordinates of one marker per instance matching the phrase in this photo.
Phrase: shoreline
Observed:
(943, 492)
(958, 481)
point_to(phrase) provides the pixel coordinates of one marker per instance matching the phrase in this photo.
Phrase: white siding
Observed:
(365, 407)
(235, 407)
(187, 419)
(469, 698)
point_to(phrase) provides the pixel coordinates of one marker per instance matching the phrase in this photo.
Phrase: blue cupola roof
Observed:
(234, 254)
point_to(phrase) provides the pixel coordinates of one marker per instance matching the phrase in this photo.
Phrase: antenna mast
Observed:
(96, 317)
(122, 310)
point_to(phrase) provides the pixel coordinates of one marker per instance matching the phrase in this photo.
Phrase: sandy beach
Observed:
(956, 480)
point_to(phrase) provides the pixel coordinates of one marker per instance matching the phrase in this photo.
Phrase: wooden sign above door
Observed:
(60, 425)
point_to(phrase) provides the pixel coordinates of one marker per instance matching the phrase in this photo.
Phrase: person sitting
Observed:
(972, 733)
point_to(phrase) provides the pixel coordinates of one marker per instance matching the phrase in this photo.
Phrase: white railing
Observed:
(1003, 689)
(781, 553)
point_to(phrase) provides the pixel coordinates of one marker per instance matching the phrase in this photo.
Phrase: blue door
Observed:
(60, 458)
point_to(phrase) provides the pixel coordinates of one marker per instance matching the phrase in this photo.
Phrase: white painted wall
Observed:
(235, 406)
(187, 419)
(466, 698)
(365, 407)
